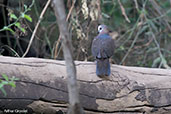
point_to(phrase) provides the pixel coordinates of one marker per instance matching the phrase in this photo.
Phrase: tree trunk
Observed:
(75, 106)
(43, 88)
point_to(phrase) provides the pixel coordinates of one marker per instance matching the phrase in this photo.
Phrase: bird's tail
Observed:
(103, 67)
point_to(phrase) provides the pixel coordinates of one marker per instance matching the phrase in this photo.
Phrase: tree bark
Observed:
(43, 87)
(75, 106)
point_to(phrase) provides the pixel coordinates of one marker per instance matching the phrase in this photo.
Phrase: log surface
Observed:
(43, 87)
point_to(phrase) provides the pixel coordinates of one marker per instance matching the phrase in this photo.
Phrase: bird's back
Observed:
(103, 46)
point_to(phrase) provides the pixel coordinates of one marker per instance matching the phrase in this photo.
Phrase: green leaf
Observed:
(164, 60)
(105, 15)
(25, 6)
(3, 91)
(5, 77)
(28, 9)
(11, 83)
(156, 61)
(9, 29)
(13, 16)
(19, 26)
(22, 29)
(28, 17)
(14, 79)
(122, 48)
(4, 82)
(1, 85)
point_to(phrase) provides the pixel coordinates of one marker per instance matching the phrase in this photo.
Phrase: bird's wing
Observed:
(108, 46)
(103, 47)
(95, 48)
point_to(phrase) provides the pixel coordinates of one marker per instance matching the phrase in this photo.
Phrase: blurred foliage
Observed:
(16, 20)
(7, 81)
(141, 29)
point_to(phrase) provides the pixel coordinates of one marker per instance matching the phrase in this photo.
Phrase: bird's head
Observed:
(102, 29)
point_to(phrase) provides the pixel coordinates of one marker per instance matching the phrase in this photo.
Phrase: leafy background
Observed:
(141, 29)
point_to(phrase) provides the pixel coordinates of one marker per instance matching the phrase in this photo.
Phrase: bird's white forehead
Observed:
(101, 27)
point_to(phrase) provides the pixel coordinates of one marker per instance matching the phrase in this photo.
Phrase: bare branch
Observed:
(36, 27)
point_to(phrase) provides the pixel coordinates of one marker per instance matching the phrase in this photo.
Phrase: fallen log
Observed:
(43, 88)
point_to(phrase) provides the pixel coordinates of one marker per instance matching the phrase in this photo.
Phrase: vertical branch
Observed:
(75, 107)
(57, 51)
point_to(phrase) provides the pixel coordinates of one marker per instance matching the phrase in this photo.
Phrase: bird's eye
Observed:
(100, 29)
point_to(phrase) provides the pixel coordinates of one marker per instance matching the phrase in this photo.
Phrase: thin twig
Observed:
(160, 11)
(136, 5)
(163, 60)
(56, 47)
(144, 45)
(130, 30)
(136, 37)
(36, 27)
(73, 3)
(123, 11)
(132, 45)
(10, 49)
(161, 16)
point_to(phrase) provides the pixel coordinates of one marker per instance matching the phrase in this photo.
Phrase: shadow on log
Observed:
(43, 88)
